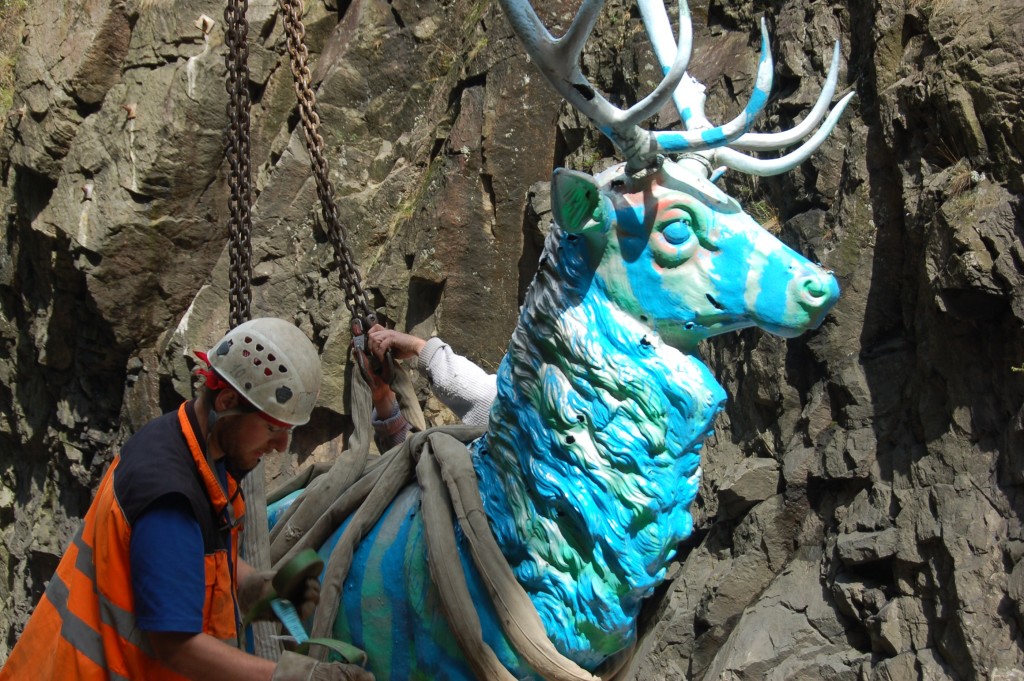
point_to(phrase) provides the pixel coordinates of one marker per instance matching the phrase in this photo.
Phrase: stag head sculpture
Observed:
(591, 458)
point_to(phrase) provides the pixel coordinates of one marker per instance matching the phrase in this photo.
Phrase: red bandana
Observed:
(213, 381)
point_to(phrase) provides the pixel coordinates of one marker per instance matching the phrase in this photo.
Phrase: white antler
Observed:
(727, 139)
(559, 60)
(777, 140)
(689, 95)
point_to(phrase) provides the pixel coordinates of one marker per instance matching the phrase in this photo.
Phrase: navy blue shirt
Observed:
(168, 568)
(167, 562)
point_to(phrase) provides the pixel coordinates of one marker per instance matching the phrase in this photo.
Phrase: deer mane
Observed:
(591, 460)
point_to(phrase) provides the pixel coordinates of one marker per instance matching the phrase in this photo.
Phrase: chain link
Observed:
(236, 31)
(355, 297)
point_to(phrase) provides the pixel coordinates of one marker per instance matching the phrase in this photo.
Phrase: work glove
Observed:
(258, 586)
(295, 667)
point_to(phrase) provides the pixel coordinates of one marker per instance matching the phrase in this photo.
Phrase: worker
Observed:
(152, 586)
(461, 385)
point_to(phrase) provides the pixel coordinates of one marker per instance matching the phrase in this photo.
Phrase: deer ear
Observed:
(576, 201)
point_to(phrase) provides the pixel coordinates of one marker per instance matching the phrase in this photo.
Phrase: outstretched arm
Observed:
(464, 387)
(200, 656)
(460, 384)
(402, 345)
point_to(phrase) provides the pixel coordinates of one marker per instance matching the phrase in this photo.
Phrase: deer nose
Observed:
(818, 290)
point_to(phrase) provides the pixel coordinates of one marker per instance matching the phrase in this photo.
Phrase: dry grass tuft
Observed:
(11, 13)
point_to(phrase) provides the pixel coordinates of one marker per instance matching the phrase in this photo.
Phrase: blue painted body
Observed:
(390, 606)
(591, 460)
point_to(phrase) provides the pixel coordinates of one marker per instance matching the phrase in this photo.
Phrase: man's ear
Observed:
(227, 398)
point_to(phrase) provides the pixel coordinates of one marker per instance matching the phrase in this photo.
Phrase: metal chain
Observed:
(236, 31)
(355, 297)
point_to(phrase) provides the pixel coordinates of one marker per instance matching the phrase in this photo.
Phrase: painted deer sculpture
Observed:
(591, 460)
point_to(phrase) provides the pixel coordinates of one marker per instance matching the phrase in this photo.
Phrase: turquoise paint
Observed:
(671, 140)
(713, 137)
(590, 514)
(590, 528)
(758, 100)
(592, 460)
(730, 266)
(773, 304)
(277, 509)
(390, 607)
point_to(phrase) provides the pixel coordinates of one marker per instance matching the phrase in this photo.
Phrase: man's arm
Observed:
(166, 552)
(401, 345)
(464, 387)
(460, 384)
(201, 657)
(390, 427)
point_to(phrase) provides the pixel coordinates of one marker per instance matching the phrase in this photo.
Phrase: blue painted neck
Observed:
(592, 457)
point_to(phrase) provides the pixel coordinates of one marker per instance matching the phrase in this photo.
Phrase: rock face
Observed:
(861, 510)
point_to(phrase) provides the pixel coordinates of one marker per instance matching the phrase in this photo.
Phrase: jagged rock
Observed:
(860, 512)
(901, 625)
(747, 484)
(858, 548)
(790, 632)
(924, 664)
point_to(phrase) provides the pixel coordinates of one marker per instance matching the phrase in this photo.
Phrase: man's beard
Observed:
(236, 471)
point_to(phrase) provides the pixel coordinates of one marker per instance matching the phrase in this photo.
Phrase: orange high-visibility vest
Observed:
(84, 627)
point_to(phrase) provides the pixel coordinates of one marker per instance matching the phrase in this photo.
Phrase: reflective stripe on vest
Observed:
(75, 631)
(84, 628)
(120, 620)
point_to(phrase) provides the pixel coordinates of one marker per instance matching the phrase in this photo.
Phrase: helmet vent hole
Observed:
(257, 361)
(259, 348)
(270, 357)
(248, 339)
(245, 353)
(268, 372)
(283, 369)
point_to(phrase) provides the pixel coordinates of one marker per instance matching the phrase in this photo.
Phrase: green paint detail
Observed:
(424, 597)
(575, 199)
(378, 620)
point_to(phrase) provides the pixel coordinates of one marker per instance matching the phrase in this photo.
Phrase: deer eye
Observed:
(678, 232)
(675, 241)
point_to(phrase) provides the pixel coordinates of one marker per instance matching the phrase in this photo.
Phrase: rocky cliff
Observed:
(860, 516)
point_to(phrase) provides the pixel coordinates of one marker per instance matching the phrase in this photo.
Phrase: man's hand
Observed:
(380, 392)
(252, 588)
(295, 667)
(306, 597)
(402, 345)
(257, 586)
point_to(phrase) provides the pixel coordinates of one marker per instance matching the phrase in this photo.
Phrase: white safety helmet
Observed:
(273, 365)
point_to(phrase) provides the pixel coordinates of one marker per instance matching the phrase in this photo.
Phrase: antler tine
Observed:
(773, 141)
(680, 51)
(689, 94)
(558, 59)
(775, 166)
(538, 41)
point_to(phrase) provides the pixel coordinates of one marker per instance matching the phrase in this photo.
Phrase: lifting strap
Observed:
(438, 461)
(255, 542)
(353, 487)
